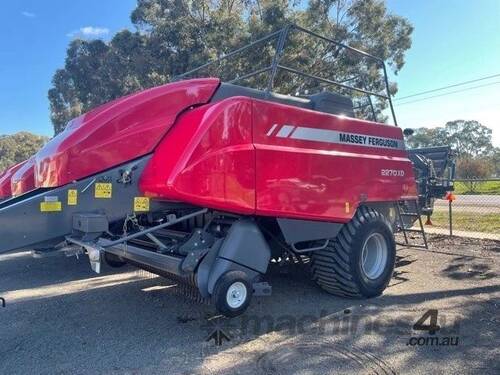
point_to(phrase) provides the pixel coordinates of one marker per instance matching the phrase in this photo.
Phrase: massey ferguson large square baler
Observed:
(210, 182)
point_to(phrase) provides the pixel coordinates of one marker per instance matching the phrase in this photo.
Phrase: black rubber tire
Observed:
(114, 261)
(220, 291)
(337, 269)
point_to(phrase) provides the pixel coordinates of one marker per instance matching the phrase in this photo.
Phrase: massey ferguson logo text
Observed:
(367, 140)
(304, 133)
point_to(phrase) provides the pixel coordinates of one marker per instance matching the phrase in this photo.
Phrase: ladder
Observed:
(413, 214)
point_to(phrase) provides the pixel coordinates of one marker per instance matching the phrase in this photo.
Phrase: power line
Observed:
(449, 93)
(448, 87)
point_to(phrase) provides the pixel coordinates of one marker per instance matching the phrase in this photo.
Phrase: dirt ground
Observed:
(60, 318)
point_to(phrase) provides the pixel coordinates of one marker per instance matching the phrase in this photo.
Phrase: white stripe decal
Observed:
(285, 131)
(338, 137)
(318, 135)
(271, 130)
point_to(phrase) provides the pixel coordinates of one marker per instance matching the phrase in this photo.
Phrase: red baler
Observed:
(209, 182)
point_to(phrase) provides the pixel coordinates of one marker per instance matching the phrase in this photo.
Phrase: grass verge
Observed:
(471, 221)
(487, 187)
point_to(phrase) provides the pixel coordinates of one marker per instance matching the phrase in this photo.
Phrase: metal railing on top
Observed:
(282, 36)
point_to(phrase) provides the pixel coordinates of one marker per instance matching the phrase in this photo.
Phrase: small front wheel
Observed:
(232, 293)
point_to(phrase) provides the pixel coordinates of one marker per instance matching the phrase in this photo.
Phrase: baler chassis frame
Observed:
(95, 248)
(200, 265)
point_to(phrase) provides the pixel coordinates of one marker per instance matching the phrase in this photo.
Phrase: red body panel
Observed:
(23, 180)
(207, 159)
(318, 179)
(117, 132)
(235, 156)
(5, 179)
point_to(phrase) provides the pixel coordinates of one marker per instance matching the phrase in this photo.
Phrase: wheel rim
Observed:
(236, 295)
(374, 256)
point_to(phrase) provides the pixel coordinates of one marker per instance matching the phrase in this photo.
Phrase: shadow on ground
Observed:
(61, 318)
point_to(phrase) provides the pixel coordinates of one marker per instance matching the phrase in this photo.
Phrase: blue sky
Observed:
(453, 41)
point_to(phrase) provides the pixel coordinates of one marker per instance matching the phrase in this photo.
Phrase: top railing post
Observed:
(389, 93)
(280, 44)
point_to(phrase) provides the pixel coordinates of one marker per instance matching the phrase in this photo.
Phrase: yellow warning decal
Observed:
(72, 197)
(141, 204)
(54, 206)
(103, 190)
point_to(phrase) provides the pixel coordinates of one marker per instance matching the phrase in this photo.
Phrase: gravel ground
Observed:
(60, 318)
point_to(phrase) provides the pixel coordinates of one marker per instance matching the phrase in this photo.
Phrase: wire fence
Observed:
(476, 208)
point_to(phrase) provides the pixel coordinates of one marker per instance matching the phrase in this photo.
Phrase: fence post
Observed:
(450, 198)
(449, 215)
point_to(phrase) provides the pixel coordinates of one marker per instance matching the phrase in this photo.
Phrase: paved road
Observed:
(62, 319)
(473, 203)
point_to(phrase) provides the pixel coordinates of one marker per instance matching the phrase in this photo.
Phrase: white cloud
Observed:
(28, 14)
(94, 31)
(89, 32)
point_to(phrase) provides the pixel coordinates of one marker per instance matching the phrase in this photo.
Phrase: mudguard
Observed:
(244, 249)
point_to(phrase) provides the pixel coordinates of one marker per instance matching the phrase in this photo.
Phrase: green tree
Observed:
(469, 139)
(472, 169)
(493, 159)
(174, 36)
(19, 147)
(427, 137)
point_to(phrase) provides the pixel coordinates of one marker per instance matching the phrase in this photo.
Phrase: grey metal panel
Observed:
(296, 231)
(327, 102)
(227, 90)
(334, 103)
(245, 245)
(90, 223)
(12, 200)
(149, 258)
(23, 225)
(203, 272)
(441, 157)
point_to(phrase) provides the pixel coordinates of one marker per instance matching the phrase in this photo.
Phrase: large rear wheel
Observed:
(359, 262)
